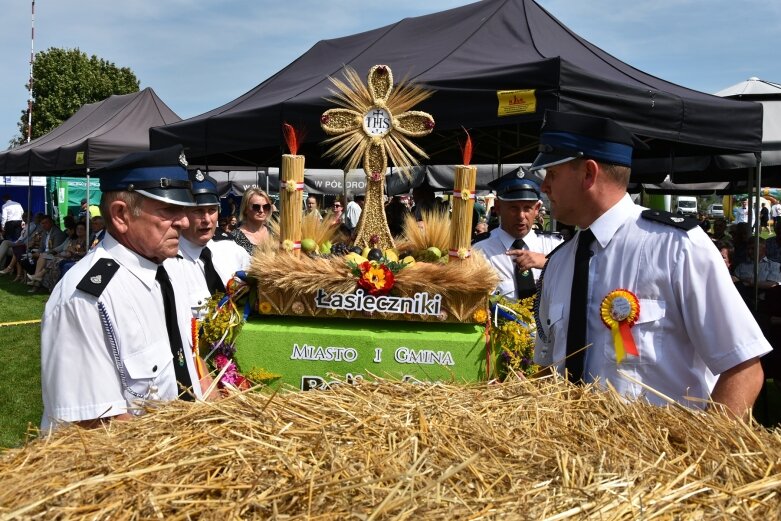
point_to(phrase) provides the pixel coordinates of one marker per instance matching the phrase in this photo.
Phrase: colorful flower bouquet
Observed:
(217, 331)
(376, 277)
(512, 336)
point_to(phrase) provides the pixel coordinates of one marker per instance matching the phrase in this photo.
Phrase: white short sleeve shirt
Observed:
(103, 356)
(495, 250)
(227, 257)
(692, 324)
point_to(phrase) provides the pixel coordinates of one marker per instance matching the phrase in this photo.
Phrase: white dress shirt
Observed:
(352, 214)
(692, 324)
(495, 250)
(80, 377)
(227, 257)
(12, 211)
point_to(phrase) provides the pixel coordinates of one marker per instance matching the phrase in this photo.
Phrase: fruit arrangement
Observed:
(329, 267)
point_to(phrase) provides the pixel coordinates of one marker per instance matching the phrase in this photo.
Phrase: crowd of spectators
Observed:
(39, 252)
(739, 248)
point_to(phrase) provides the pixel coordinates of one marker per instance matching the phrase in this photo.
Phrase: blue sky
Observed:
(200, 54)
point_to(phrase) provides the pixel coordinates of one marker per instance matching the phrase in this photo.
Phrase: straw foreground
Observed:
(541, 449)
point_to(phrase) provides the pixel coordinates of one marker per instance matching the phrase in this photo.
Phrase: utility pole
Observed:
(30, 83)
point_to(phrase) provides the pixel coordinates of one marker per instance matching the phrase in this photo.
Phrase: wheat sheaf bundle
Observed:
(304, 275)
(525, 449)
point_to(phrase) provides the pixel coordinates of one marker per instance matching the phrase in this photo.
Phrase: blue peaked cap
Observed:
(566, 136)
(204, 189)
(157, 174)
(515, 186)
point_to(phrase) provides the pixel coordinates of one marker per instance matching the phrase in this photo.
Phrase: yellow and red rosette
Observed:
(619, 311)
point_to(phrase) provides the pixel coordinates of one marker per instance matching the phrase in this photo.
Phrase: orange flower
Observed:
(377, 279)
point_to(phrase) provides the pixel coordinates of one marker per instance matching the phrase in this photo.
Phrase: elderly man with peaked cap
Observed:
(645, 290)
(114, 333)
(205, 265)
(514, 249)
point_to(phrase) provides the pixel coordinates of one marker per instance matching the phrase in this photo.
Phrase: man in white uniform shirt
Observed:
(11, 218)
(653, 277)
(516, 252)
(114, 332)
(205, 265)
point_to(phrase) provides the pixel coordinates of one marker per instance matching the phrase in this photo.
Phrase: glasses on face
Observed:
(338, 205)
(257, 207)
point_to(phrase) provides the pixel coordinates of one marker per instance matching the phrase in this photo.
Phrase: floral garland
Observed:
(513, 334)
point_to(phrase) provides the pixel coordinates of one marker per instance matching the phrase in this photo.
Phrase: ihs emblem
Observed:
(373, 124)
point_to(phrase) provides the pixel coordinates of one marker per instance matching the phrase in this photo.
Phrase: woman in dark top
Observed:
(255, 213)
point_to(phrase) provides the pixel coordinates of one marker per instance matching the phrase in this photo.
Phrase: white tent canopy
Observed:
(769, 95)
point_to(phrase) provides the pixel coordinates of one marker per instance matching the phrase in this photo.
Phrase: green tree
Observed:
(66, 79)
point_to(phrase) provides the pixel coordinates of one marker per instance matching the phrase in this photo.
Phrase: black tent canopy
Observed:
(466, 55)
(94, 136)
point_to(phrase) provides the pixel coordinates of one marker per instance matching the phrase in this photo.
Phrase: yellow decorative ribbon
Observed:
(619, 311)
(291, 186)
(465, 194)
(289, 245)
(461, 253)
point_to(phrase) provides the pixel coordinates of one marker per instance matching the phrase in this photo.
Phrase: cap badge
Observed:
(199, 176)
(676, 219)
(96, 279)
(182, 159)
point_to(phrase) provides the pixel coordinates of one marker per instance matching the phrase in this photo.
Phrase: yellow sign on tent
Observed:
(512, 102)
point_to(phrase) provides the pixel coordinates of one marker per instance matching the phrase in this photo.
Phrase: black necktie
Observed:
(524, 279)
(578, 307)
(213, 280)
(174, 335)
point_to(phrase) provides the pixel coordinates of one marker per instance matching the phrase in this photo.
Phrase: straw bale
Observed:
(524, 449)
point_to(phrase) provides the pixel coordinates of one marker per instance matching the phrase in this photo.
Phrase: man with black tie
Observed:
(205, 265)
(115, 333)
(645, 292)
(516, 252)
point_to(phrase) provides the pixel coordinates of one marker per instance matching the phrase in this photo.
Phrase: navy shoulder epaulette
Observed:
(98, 277)
(549, 233)
(481, 237)
(670, 219)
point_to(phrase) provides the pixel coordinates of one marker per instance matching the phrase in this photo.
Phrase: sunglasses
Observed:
(257, 207)
(337, 204)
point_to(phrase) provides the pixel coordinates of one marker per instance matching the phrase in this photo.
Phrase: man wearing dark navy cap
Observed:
(514, 249)
(644, 292)
(115, 333)
(205, 265)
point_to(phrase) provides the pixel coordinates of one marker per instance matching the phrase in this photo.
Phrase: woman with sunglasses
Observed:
(337, 212)
(255, 213)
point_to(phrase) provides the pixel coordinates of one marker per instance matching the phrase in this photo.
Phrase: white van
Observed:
(716, 210)
(686, 205)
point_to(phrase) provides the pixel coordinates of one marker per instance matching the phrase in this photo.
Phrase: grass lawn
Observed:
(20, 373)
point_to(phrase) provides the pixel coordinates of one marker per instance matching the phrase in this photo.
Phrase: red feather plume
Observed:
(466, 150)
(291, 137)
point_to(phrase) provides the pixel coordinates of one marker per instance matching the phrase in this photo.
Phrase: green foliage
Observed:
(66, 79)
